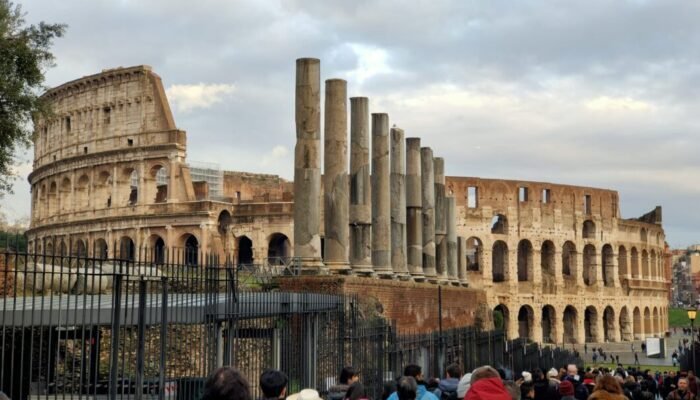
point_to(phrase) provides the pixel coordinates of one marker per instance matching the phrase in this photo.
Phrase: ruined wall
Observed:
(246, 186)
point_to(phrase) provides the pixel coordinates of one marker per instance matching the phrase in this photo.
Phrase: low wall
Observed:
(414, 306)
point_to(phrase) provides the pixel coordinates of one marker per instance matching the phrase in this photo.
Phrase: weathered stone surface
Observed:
(462, 259)
(414, 209)
(381, 204)
(307, 168)
(360, 188)
(428, 202)
(398, 204)
(335, 177)
(440, 219)
(451, 239)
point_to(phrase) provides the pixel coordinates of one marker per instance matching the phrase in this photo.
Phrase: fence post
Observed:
(141, 339)
(114, 347)
(163, 335)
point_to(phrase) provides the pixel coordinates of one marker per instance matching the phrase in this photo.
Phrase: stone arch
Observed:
(190, 247)
(245, 250)
(590, 324)
(609, 324)
(626, 333)
(158, 183)
(570, 318)
(499, 224)
(647, 322)
(654, 265)
(526, 318)
(656, 323)
(475, 254)
(588, 231)
(525, 261)
(82, 193)
(622, 267)
(504, 317)
(62, 248)
(103, 189)
(127, 249)
(634, 256)
(99, 249)
(637, 322)
(607, 264)
(643, 235)
(549, 325)
(65, 190)
(52, 199)
(645, 264)
(224, 222)
(568, 259)
(42, 204)
(79, 249)
(130, 183)
(279, 248)
(156, 245)
(589, 265)
(499, 261)
(49, 249)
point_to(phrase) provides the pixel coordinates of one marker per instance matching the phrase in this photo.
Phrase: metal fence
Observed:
(73, 326)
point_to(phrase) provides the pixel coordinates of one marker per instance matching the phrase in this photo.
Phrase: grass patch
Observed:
(678, 317)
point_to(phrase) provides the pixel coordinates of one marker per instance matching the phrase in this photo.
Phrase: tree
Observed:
(24, 57)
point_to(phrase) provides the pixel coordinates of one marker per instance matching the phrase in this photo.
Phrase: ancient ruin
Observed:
(557, 263)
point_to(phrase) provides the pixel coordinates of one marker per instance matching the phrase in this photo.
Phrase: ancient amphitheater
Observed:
(111, 178)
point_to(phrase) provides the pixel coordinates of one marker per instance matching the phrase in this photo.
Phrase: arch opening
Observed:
(568, 259)
(100, 249)
(525, 262)
(588, 229)
(279, 248)
(549, 334)
(501, 318)
(607, 261)
(191, 250)
(589, 265)
(526, 317)
(570, 319)
(499, 224)
(590, 324)
(475, 250)
(499, 261)
(127, 249)
(245, 250)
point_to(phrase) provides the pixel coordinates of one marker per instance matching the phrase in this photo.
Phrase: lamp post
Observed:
(692, 313)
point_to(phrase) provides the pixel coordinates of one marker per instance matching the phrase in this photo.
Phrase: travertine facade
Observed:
(558, 262)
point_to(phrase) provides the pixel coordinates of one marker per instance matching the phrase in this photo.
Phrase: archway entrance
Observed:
(499, 261)
(245, 250)
(524, 261)
(526, 318)
(549, 334)
(590, 324)
(191, 251)
(570, 325)
(127, 250)
(279, 248)
(501, 316)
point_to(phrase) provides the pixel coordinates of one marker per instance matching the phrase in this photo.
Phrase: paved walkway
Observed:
(624, 350)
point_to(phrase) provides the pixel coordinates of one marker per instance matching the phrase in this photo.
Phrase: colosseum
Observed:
(557, 262)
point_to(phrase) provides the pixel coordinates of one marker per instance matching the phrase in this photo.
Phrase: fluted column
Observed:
(335, 177)
(360, 188)
(307, 171)
(398, 205)
(462, 260)
(440, 219)
(381, 204)
(414, 209)
(428, 201)
(452, 273)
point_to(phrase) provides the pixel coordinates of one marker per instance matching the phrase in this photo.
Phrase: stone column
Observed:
(360, 188)
(398, 205)
(381, 207)
(452, 268)
(462, 260)
(536, 328)
(428, 199)
(335, 177)
(414, 205)
(307, 168)
(440, 219)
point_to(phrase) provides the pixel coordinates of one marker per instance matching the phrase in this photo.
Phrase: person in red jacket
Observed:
(486, 384)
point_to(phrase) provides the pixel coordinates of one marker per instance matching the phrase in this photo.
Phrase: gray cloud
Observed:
(594, 93)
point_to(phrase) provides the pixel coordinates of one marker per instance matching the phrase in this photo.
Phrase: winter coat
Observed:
(580, 390)
(422, 394)
(337, 392)
(677, 395)
(446, 386)
(544, 390)
(488, 389)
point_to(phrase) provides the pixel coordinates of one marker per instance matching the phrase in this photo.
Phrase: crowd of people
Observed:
(483, 383)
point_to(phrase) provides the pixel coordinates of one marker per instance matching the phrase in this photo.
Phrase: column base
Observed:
(384, 272)
(313, 267)
(338, 267)
(362, 269)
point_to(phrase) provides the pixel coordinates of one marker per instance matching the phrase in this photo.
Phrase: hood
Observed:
(448, 385)
(488, 389)
(463, 385)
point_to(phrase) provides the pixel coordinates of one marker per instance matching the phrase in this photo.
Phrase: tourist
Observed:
(416, 373)
(682, 393)
(544, 388)
(348, 376)
(406, 388)
(463, 386)
(226, 383)
(447, 388)
(566, 390)
(580, 390)
(388, 388)
(527, 391)
(607, 388)
(486, 384)
(273, 384)
(692, 383)
(356, 391)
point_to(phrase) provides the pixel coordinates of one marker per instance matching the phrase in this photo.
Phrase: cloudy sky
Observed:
(592, 92)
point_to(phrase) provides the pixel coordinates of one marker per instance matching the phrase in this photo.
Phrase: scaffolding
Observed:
(210, 173)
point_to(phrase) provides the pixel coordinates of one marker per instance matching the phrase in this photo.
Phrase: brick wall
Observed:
(412, 305)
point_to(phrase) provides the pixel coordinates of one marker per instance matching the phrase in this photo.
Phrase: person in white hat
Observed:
(305, 394)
